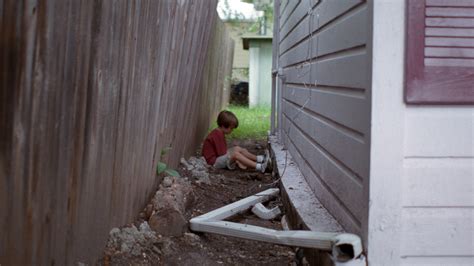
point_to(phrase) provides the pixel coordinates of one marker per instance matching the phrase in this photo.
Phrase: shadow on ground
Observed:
(160, 235)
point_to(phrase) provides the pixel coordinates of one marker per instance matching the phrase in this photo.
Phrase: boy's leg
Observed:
(246, 153)
(242, 160)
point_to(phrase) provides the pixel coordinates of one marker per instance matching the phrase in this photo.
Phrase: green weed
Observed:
(163, 167)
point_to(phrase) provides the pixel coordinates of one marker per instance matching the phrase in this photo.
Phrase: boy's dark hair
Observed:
(227, 119)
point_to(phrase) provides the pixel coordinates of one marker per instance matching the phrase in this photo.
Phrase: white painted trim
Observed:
(387, 120)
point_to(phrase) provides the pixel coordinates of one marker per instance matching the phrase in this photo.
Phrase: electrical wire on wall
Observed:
(308, 60)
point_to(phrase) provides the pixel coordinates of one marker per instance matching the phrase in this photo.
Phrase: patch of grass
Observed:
(254, 123)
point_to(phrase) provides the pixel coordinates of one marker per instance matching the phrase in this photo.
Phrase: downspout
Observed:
(275, 64)
(346, 248)
(273, 103)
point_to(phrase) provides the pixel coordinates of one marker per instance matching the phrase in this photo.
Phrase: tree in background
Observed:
(265, 6)
(238, 20)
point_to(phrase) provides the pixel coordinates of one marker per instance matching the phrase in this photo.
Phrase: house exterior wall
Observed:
(236, 30)
(325, 102)
(240, 65)
(422, 163)
(419, 199)
(260, 72)
(91, 92)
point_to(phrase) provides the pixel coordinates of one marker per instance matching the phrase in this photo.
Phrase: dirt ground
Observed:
(140, 245)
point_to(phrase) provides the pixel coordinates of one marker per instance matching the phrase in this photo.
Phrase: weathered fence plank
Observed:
(91, 92)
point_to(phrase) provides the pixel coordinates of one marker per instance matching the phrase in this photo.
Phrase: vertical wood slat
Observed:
(91, 92)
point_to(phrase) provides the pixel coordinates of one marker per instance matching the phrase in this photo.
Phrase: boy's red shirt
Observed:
(214, 146)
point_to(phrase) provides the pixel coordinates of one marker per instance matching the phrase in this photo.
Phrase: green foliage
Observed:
(233, 17)
(262, 5)
(254, 123)
(236, 18)
(162, 167)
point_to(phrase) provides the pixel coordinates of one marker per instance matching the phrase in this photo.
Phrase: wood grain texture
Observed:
(91, 93)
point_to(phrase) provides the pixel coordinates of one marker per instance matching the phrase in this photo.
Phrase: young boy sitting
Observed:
(215, 150)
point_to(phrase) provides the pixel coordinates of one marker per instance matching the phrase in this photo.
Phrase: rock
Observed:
(201, 176)
(148, 211)
(168, 222)
(167, 181)
(114, 231)
(191, 238)
(167, 247)
(170, 204)
(145, 228)
(130, 240)
(187, 165)
(198, 163)
(124, 248)
(199, 169)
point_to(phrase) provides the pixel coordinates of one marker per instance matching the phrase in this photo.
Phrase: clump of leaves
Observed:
(163, 167)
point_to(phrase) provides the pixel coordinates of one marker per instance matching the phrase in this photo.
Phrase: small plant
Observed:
(163, 167)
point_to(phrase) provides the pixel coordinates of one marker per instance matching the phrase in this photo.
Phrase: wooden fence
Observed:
(91, 92)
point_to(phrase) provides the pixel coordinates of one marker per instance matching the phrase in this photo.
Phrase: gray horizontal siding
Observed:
(325, 102)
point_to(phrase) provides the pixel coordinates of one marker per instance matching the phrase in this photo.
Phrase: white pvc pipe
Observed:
(345, 247)
(264, 213)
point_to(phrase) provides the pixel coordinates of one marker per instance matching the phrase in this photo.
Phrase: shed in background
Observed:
(260, 68)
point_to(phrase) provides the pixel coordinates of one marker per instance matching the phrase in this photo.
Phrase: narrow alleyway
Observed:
(198, 193)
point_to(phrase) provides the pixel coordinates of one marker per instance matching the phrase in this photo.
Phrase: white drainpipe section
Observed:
(346, 248)
(264, 213)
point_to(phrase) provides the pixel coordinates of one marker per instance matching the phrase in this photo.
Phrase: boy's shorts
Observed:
(223, 161)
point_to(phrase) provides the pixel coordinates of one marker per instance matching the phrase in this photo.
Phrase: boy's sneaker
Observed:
(268, 160)
(263, 166)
